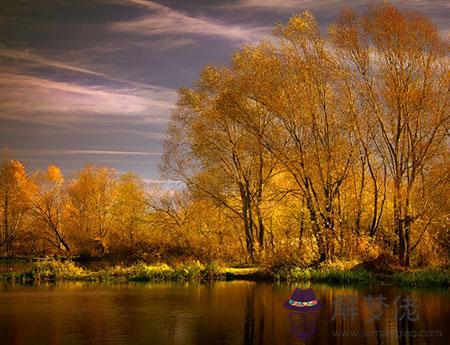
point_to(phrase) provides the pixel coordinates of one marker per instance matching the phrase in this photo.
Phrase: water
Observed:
(219, 313)
(16, 266)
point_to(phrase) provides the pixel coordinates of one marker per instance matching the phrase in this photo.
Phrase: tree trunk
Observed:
(5, 224)
(248, 223)
(318, 233)
(399, 230)
(301, 228)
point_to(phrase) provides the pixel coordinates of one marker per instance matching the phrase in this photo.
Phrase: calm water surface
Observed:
(219, 313)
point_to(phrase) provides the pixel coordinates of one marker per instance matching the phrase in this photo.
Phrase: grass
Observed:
(335, 272)
(423, 278)
(54, 270)
(322, 275)
(331, 272)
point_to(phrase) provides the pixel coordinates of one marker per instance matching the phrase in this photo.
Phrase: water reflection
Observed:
(220, 313)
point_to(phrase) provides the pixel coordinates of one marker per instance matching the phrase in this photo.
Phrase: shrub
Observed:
(189, 270)
(158, 272)
(213, 270)
(58, 270)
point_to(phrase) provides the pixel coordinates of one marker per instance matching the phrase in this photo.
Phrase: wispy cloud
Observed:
(25, 95)
(437, 10)
(84, 152)
(158, 181)
(39, 60)
(166, 43)
(164, 20)
(278, 5)
(27, 55)
(299, 4)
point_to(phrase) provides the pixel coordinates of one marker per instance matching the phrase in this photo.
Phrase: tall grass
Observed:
(157, 272)
(423, 278)
(54, 270)
(323, 275)
(342, 272)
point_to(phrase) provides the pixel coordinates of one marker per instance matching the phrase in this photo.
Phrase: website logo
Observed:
(304, 310)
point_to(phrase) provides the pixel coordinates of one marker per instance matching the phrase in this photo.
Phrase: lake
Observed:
(236, 312)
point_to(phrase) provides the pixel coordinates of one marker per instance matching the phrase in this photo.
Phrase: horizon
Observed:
(96, 82)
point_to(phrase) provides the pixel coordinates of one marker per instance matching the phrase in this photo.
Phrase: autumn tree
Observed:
(397, 71)
(13, 201)
(89, 207)
(128, 210)
(358, 119)
(48, 202)
(216, 157)
(296, 84)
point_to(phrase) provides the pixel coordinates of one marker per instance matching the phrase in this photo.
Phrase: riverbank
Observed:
(348, 273)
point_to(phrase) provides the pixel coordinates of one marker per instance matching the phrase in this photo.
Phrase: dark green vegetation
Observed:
(431, 277)
(334, 273)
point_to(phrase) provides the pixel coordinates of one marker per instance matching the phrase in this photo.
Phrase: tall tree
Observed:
(129, 209)
(296, 83)
(216, 157)
(397, 67)
(13, 201)
(90, 200)
(48, 204)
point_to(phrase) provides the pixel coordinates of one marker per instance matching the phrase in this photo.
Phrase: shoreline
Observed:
(67, 270)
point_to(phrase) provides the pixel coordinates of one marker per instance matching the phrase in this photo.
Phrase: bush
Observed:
(383, 263)
(189, 270)
(213, 271)
(339, 265)
(58, 270)
(158, 272)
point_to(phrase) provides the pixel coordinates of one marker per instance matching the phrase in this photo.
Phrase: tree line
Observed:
(305, 148)
(42, 213)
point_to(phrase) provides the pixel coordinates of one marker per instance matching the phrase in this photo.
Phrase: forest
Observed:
(306, 148)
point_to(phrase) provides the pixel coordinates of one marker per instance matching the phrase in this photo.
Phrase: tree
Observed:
(358, 119)
(216, 157)
(397, 70)
(296, 84)
(129, 209)
(13, 201)
(48, 204)
(90, 199)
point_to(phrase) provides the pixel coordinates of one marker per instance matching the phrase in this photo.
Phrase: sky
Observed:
(95, 80)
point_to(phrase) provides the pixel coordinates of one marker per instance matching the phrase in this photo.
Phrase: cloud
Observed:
(26, 97)
(279, 5)
(26, 55)
(84, 152)
(158, 181)
(437, 10)
(311, 4)
(166, 43)
(39, 60)
(166, 21)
